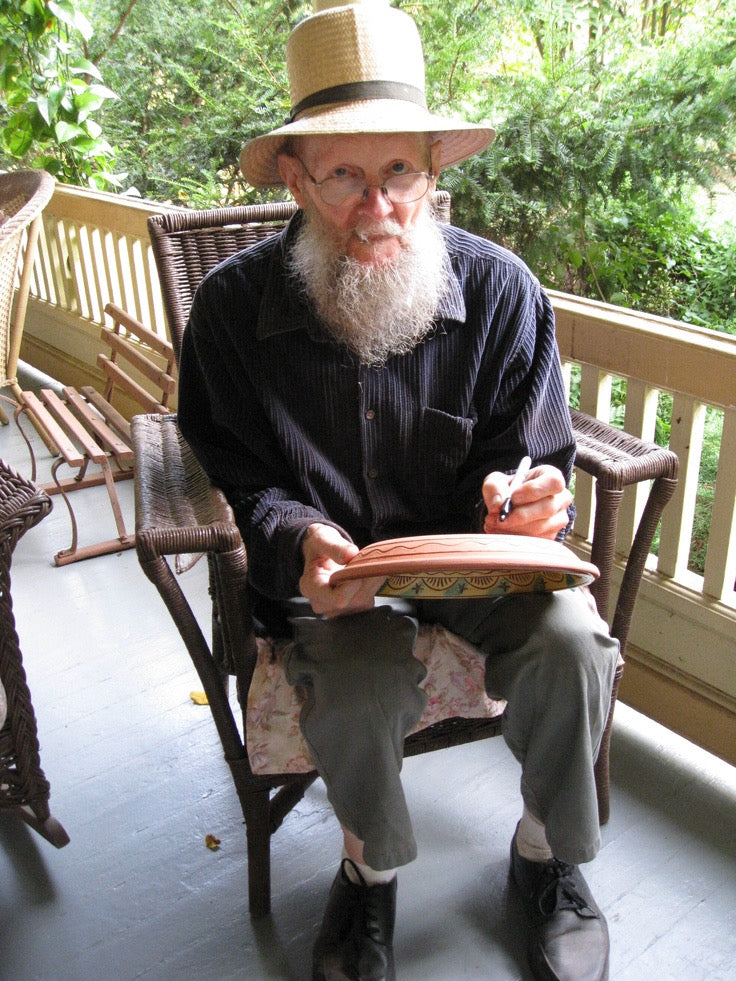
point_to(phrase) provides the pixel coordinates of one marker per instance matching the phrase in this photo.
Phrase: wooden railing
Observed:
(682, 655)
(682, 647)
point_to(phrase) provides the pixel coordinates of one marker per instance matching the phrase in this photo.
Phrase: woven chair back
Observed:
(23, 196)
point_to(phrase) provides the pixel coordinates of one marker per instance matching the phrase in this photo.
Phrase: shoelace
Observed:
(557, 891)
(369, 901)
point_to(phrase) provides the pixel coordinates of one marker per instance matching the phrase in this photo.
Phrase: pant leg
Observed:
(361, 681)
(553, 659)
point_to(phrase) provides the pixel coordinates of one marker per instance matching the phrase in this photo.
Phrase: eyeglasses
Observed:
(399, 188)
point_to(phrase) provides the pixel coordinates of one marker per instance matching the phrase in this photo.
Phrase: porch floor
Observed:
(138, 779)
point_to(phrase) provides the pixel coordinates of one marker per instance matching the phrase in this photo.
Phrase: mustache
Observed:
(370, 228)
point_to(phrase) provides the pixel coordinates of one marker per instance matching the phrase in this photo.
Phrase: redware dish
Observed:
(468, 566)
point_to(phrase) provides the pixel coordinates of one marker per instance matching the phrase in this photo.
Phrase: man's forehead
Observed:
(354, 147)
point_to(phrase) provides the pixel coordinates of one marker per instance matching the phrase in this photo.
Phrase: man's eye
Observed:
(343, 172)
(400, 167)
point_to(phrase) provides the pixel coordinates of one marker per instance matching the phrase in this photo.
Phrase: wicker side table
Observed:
(24, 789)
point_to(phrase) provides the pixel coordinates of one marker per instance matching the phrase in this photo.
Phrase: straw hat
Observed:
(357, 68)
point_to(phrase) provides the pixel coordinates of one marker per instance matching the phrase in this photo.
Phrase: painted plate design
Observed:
(468, 566)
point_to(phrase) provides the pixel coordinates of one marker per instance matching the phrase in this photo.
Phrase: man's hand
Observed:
(325, 551)
(538, 506)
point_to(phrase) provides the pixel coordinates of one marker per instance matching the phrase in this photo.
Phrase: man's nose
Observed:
(376, 200)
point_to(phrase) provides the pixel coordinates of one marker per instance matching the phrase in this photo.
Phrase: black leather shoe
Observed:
(356, 937)
(568, 934)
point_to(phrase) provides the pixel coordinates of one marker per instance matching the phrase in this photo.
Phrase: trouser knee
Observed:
(363, 697)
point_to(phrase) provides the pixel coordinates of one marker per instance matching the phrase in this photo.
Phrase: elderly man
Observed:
(368, 374)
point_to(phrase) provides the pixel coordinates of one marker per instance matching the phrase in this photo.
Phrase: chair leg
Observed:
(258, 837)
(263, 816)
(46, 825)
(602, 764)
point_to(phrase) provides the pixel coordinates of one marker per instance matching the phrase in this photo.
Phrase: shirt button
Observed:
(373, 473)
(370, 414)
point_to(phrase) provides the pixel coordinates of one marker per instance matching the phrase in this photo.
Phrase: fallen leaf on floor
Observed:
(212, 843)
(199, 698)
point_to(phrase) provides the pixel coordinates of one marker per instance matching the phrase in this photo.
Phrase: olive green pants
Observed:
(549, 655)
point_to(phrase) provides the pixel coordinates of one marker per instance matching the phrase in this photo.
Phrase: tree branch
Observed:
(116, 33)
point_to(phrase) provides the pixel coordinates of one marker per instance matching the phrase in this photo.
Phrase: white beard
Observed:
(374, 310)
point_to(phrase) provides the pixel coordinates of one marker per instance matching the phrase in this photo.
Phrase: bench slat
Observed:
(72, 425)
(65, 446)
(109, 412)
(109, 439)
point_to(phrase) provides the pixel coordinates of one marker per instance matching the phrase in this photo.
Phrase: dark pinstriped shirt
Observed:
(295, 430)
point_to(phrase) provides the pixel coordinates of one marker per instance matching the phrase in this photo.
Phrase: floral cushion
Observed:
(454, 685)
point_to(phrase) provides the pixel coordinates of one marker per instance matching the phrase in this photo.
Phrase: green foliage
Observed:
(657, 254)
(195, 81)
(593, 173)
(50, 93)
(706, 490)
(609, 120)
(605, 122)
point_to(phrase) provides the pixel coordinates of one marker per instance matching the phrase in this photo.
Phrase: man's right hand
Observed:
(325, 551)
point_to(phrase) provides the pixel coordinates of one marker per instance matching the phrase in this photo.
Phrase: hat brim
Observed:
(460, 140)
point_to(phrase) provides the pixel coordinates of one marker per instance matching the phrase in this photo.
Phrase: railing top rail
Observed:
(102, 209)
(661, 353)
(624, 318)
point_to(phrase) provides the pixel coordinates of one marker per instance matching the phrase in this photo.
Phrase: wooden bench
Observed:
(91, 435)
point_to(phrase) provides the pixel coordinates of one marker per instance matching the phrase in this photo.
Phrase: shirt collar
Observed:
(285, 308)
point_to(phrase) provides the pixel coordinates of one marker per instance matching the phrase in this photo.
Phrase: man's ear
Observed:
(435, 156)
(292, 174)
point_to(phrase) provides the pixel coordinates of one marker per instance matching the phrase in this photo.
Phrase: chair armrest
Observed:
(615, 459)
(22, 506)
(178, 512)
(177, 509)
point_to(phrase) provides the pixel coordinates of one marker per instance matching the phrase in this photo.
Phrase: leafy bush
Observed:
(662, 258)
(195, 81)
(593, 173)
(50, 93)
(606, 124)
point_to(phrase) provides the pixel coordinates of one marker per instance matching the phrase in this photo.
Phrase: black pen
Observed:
(516, 481)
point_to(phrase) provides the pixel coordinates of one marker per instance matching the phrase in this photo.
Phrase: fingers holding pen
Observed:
(522, 472)
(538, 503)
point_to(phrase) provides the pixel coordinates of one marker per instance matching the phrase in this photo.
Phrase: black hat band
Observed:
(358, 91)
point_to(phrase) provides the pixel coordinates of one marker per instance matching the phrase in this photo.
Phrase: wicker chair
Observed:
(23, 196)
(24, 789)
(178, 511)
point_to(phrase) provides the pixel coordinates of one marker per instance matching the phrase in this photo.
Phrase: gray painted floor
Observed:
(138, 780)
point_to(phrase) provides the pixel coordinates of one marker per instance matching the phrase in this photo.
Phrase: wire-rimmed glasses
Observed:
(399, 188)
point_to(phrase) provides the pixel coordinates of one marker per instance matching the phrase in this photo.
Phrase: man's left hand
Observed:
(538, 506)
(325, 551)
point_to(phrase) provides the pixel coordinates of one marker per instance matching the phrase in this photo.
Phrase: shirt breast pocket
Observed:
(443, 446)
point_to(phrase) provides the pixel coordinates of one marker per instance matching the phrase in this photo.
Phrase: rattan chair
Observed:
(23, 196)
(24, 789)
(178, 511)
